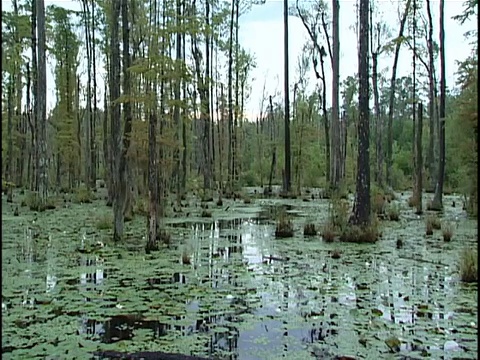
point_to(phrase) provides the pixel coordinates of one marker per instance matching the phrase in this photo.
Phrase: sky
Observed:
(261, 34)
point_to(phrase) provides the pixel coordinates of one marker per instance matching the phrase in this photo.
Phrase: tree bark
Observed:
(336, 170)
(115, 122)
(34, 76)
(361, 215)
(230, 102)
(42, 104)
(431, 100)
(419, 159)
(9, 169)
(286, 182)
(437, 203)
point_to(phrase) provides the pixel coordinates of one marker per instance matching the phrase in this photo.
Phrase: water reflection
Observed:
(267, 298)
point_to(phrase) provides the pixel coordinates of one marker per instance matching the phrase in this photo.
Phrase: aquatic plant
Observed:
(378, 204)
(432, 223)
(412, 201)
(328, 233)
(361, 234)
(284, 228)
(447, 231)
(206, 214)
(104, 222)
(468, 264)
(83, 195)
(309, 229)
(393, 212)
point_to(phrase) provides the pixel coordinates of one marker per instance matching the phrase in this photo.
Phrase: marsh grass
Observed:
(186, 258)
(468, 265)
(104, 222)
(141, 207)
(393, 212)
(164, 237)
(247, 199)
(336, 253)
(83, 195)
(412, 201)
(378, 204)
(284, 228)
(309, 229)
(447, 231)
(34, 202)
(328, 233)
(206, 214)
(361, 234)
(432, 223)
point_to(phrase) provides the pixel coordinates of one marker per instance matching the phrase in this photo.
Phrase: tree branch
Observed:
(417, 55)
(324, 25)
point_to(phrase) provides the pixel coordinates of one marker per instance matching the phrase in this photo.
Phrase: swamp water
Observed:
(67, 291)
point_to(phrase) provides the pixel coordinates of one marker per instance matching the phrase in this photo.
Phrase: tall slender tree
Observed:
(42, 103)
(437, 203)
(361, 210)
(287, 174)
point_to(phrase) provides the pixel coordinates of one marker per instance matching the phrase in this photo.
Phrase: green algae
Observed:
(68, 290)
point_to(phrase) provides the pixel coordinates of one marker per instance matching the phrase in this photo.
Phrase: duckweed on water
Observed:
(60, 302)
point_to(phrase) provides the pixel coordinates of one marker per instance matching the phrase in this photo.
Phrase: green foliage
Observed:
(249, 178)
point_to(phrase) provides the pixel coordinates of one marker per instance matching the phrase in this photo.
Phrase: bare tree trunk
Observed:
(375, 50)
(230, 102)
(9, 169)
(42, 104)
(184, 125)
(437, 203)
(419, 159)
(152, 182)
(335, 172)
(93, 144)
(34, 75)
(176, 109)
(286, 182)
(235, 119)
(88, 118)
(392, 97)
(431, 100)
(115, 121)
(107, 155)
(274, 147)
(125, 170)
(361, 211)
